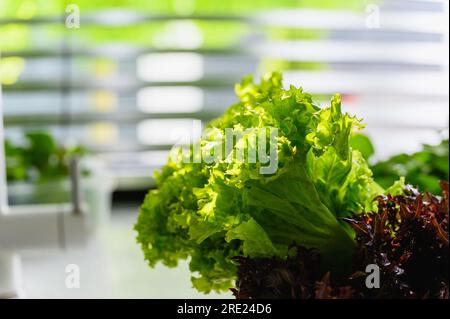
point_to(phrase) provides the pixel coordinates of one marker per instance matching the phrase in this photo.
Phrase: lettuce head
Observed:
(211, 211)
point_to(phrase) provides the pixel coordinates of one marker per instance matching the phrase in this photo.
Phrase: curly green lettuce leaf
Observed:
(215, 210)
(362, 143)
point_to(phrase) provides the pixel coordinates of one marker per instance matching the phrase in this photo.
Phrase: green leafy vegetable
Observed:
(212, 212)
(363, 144)
(423, 169)
(39, 159)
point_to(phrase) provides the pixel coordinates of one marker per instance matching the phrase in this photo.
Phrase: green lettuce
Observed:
(212, 212)
(423, 169)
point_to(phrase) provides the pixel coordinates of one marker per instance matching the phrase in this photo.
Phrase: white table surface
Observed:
(111, 266)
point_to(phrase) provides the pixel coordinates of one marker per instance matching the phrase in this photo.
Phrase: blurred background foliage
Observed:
(423, 169)
(39, 159)
(91, 84)
(16, 37)
(28, 9)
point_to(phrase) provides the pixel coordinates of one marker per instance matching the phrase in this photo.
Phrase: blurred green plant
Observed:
(176, 34)
(363, 144)
(288, 33)
(28, 9)
(272, 65)
(213, 34)
(40, 159)
(423, 169)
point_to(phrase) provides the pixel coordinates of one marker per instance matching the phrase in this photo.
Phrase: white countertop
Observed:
(111, 266)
